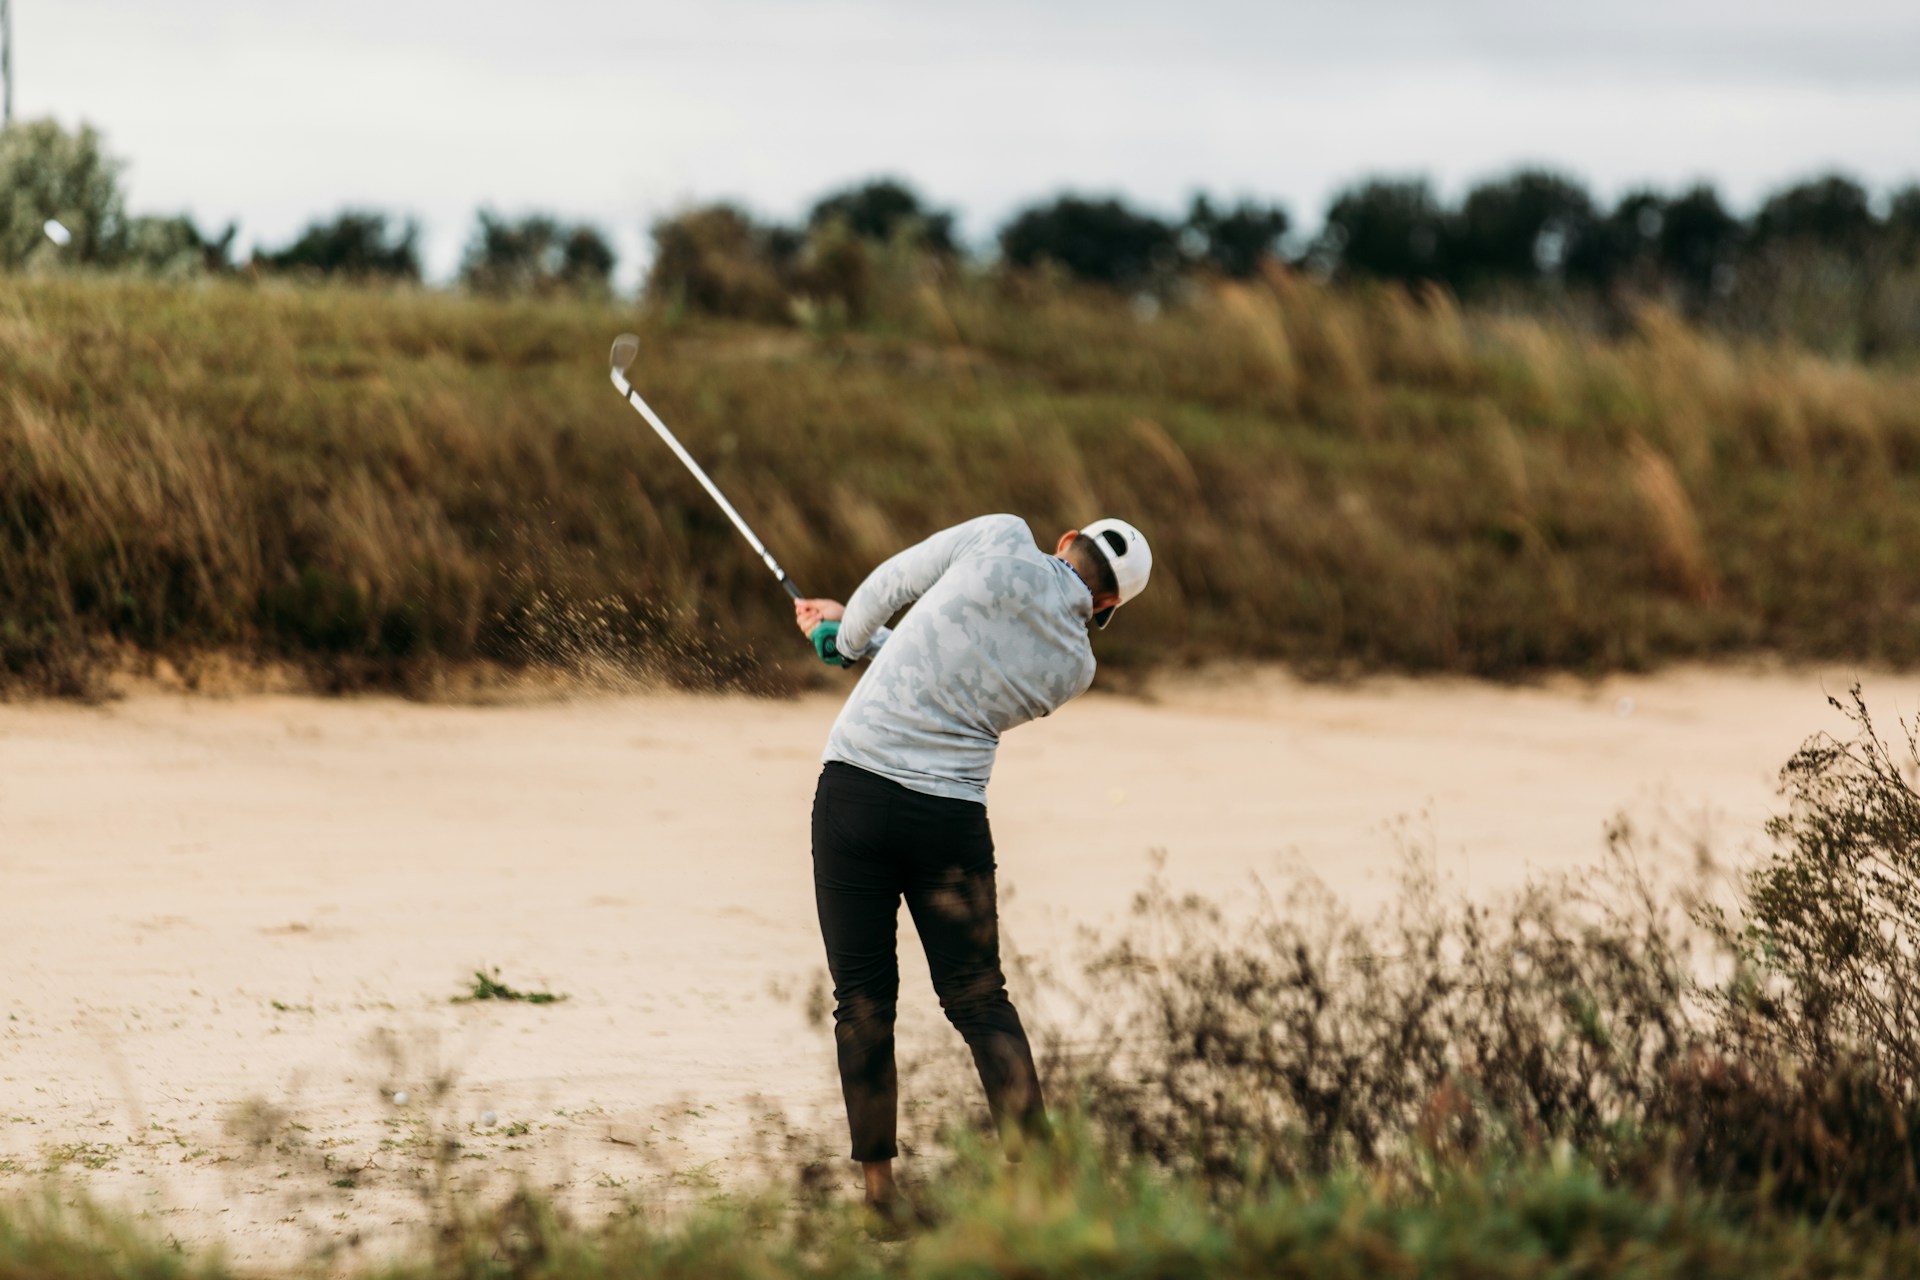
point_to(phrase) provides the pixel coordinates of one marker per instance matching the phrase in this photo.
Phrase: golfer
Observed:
(998, 638)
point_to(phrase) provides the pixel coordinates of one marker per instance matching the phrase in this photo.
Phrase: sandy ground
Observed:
(232, 930)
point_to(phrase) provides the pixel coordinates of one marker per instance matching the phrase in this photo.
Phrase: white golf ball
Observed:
(57, 233)
(487, 1117)
(400, 1098)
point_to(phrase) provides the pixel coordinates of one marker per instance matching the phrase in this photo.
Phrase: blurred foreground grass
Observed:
(1072, 1215)
(378, 487)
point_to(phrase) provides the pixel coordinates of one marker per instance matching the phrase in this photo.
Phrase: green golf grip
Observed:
(825, 639)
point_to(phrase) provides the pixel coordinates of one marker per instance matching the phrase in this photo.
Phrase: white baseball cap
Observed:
(1126, 550)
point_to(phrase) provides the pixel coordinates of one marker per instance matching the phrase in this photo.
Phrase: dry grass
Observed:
(382, 486)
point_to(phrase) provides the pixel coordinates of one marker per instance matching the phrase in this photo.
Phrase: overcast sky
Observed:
(271, 112)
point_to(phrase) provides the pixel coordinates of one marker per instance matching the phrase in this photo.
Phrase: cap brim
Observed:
(1102, 618)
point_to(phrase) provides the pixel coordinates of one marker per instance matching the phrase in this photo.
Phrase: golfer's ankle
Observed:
(879, 1175)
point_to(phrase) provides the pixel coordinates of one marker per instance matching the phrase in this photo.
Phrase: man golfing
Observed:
(998, 637)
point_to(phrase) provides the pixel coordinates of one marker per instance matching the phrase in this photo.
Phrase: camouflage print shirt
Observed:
(998, 637)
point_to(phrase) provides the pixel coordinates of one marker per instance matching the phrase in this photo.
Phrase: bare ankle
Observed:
(880, 1184)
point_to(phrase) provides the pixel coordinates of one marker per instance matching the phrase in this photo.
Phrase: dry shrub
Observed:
(1833, 929)
(1311, 1039)
(1770, 1053)
(718, 262)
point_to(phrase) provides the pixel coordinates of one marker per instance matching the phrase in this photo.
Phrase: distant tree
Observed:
(537, 254)
(1233, 241)
(1653, 244)
(357, 244)
(1699, 240)
(175, 246)
(587, 259)
(1386, 228)
(1833, 212)
(1903, 209)
(1622, 249)
(49, 173)
(1824, 271)
(1903, 221)
(717, 260)
(1523, 227)
(883, 209)
(1100, 241)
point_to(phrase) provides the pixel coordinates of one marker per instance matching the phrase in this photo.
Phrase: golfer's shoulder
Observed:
(992, 537)
(999, 532)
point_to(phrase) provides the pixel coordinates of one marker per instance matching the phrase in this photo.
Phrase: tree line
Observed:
(1820, 259)
(61, 203)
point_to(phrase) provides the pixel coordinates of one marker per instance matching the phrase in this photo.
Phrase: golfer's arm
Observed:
(897, 583)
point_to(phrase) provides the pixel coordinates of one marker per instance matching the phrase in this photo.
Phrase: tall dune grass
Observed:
(379, 487)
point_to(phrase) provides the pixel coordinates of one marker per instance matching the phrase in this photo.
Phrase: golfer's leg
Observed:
(951, 892)
(857, 893)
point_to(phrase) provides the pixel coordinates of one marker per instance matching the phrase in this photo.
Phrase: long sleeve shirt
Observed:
(998, 637)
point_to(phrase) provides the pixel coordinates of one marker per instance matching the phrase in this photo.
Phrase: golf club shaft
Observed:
(660, 428)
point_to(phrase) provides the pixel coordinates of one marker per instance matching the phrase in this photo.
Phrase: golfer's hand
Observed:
(811, 613)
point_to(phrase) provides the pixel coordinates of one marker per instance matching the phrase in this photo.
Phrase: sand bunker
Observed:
(233, 929)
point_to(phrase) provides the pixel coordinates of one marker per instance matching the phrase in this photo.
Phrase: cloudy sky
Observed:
(270, 113)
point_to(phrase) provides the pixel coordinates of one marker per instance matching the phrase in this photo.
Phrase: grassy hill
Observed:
(380, 487)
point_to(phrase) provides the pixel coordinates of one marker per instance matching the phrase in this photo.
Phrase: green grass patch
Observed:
(488, 986)
(1077, 1213)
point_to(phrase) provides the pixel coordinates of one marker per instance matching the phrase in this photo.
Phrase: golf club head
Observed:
(625, 348)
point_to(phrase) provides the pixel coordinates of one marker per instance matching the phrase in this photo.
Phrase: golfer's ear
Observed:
(1066, 540)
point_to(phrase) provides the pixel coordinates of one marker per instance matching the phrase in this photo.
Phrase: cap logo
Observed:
(1113, 540)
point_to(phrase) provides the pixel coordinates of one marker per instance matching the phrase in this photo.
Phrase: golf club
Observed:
(625, 348)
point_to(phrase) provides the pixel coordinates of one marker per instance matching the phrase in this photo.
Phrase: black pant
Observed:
(873, 841)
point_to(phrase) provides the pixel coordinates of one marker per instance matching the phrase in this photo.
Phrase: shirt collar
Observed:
(1082, 599)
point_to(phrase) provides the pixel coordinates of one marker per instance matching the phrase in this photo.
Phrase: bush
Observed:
(1388, 229)
(355, 245)
(884, 210)
(1903, 221)
(175, 247)
(49, 173)
(1099, 241)
(1530, 225)
(536, 255)
(1699, 241)
(1834, 915)
(1233, 242)
(1832, 211)
(1312, 1041)
(717, 261)
(1771, 1055)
